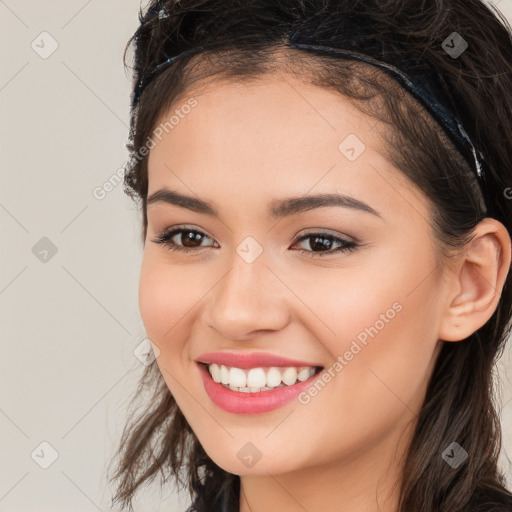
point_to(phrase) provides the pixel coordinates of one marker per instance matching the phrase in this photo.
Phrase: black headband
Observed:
(358, 40)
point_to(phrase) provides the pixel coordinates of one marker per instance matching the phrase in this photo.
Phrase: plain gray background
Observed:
(70, 261)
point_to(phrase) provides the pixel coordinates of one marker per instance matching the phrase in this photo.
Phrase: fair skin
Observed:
(241, 147)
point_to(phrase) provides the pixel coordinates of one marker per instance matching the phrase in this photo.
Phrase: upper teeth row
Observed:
(259, 377)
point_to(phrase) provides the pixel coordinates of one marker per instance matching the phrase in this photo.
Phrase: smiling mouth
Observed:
(259, 379)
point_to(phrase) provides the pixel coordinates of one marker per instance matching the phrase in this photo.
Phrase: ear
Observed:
(476, 285)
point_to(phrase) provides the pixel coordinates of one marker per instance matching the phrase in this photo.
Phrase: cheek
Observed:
(380, 329)
(167, 294)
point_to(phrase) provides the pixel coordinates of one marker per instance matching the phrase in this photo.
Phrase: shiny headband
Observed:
(360, 43)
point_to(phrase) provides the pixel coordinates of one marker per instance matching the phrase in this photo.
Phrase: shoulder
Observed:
(491, 500)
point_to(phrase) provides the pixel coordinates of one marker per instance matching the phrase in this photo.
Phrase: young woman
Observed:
(325, 190)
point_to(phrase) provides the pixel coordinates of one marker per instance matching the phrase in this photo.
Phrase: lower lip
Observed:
(251, 403)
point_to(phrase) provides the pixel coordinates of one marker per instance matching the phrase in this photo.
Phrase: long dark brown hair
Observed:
(459, 403)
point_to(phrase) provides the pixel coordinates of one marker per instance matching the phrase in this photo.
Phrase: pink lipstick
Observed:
(239, 402)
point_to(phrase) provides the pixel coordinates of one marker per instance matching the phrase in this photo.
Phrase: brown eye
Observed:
(325, 241)
(190, 239)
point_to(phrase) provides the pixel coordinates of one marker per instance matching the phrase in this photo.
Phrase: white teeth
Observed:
(224, 375)
(289, 376)
(215, 372)
(237, 378)
(273, 377)
(304, 374)
(258, 379)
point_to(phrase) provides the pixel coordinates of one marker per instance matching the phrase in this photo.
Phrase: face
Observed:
(358, 296)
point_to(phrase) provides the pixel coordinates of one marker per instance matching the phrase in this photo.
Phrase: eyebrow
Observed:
(279, 208)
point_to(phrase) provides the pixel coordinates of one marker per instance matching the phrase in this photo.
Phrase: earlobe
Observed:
(479, 281)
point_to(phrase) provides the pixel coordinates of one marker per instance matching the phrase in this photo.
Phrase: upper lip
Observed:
(250, 360)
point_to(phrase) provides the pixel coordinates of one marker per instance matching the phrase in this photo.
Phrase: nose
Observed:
(249, 298)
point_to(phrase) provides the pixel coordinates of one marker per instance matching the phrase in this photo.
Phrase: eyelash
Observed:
(165, 238)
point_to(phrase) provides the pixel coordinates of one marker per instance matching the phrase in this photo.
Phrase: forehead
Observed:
(253, 114)
(276, 136)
